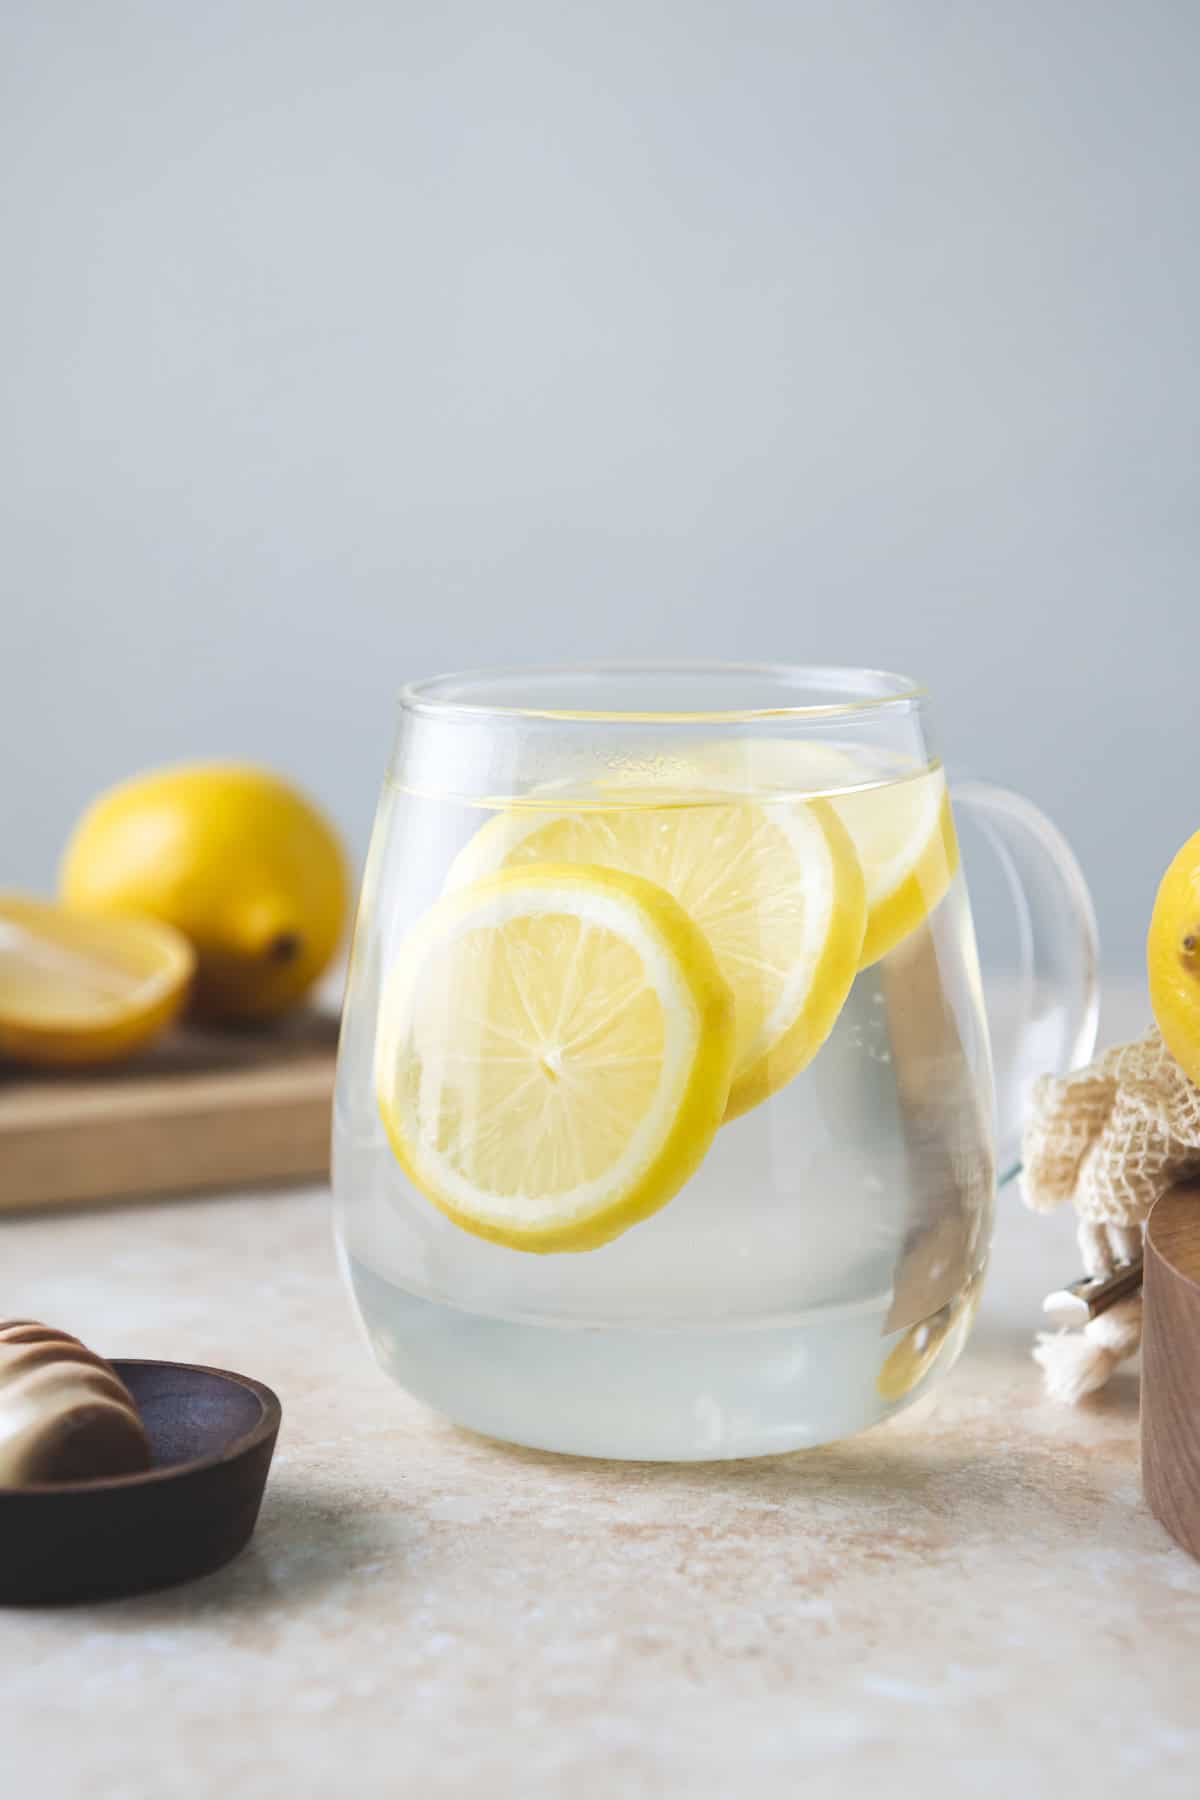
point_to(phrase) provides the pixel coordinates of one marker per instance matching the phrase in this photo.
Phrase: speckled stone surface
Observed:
(972, 1601)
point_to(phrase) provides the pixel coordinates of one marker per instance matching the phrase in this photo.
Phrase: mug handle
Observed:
(1044, 1021)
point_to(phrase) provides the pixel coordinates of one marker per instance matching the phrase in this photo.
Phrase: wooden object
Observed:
(1171, 1365)
(212, 1435)
(64, 1413)
(200, 1110)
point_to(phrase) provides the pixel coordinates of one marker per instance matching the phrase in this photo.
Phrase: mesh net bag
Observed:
(1112, 1137)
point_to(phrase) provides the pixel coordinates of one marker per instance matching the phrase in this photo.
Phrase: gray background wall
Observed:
(346, 342)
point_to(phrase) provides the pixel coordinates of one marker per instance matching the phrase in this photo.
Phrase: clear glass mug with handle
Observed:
(665, 1122)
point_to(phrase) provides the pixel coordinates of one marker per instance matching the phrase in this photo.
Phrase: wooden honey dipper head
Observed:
(65, 1415)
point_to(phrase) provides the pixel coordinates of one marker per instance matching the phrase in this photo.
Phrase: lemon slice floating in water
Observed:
(904, 835)
(75, 988)
(896, 810)
(553, 1055)
(776, 890)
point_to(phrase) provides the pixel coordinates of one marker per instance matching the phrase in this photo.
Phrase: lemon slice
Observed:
(896, 811)
(904, 835)
(553, 1055)
(77, 988)
(776, 890)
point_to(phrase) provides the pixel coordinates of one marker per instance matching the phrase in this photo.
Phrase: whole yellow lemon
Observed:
(1173, 958)
(237, 860)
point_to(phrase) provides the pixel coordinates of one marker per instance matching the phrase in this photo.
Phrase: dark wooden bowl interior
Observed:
(203, 1414)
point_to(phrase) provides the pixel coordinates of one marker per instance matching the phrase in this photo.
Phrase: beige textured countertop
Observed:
(971, 1601)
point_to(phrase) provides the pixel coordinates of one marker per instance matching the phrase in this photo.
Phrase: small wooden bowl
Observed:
(212, 1435)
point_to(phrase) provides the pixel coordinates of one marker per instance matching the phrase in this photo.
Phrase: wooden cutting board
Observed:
(200, 1110)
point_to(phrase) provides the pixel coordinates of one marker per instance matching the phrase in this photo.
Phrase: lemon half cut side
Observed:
(76, 989)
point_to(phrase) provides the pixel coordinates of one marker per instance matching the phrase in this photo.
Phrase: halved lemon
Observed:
(553, 1056)
(904, 835)
(79, 988)
(776, 890)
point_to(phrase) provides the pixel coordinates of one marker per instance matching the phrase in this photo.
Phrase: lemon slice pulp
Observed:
(80, 988)
(776, 890)
(553, 1055)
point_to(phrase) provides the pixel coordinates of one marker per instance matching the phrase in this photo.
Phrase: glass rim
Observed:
(869, 691)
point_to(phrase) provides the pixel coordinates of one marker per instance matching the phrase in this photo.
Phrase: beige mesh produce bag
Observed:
(1112, 1137)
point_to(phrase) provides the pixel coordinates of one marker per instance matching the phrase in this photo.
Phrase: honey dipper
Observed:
(65, 1414)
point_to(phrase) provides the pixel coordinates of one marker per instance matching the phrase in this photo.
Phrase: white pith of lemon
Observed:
(554, 1054)
(776, 890)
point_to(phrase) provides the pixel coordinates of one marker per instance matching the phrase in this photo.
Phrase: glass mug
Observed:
(665, 1121)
